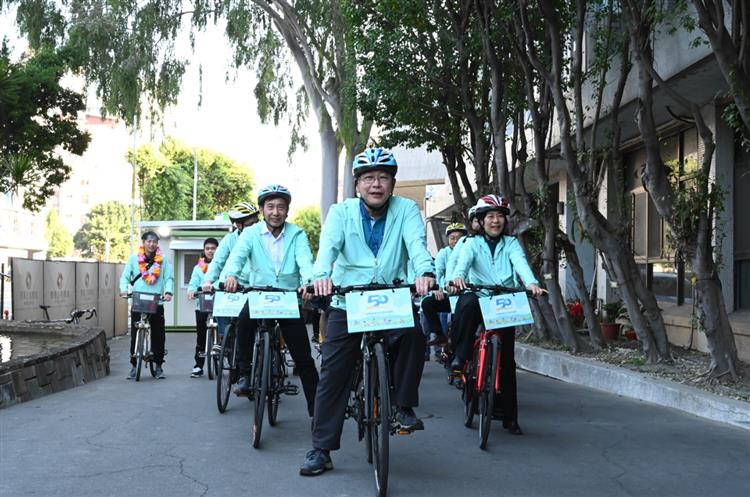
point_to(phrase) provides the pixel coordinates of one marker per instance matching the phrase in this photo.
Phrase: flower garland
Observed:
(203, 265)
(151, 278)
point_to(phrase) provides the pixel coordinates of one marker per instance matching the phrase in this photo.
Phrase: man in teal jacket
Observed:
(148, 271)
(279, 255)
(366, 240)
(493, 259)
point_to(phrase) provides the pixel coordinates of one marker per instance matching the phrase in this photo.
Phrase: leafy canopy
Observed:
(37, 116)
(308, 218)
(106, 233)
(59, 239)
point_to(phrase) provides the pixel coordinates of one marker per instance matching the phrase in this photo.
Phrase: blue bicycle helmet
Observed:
(273, 191)
(472, 212)
(374, 159)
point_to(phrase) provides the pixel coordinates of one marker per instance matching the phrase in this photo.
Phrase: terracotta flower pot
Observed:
(631, 335)
(610, 331)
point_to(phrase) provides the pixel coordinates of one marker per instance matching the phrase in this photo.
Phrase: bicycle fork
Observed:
(481, 364)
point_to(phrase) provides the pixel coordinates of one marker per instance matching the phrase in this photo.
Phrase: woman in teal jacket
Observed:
(148, 271)
(364, 240)
(493, 259)
(196, 280)
(279, 255)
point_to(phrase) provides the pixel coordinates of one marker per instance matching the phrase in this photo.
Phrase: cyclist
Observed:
(196, 279)
(434, 304)
(365, 240)
(279, 255)
(148, 271)
(493, 259)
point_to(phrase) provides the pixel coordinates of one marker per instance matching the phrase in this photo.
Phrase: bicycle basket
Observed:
(145, 303)
(206, 302)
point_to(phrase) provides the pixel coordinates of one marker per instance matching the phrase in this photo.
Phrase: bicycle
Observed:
(75, 316)
(145, 304)
(268, 371)
(480, 375)
(370, 399)
(227, 366)
(210, 352)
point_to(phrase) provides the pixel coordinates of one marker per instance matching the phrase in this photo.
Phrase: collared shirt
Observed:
(374, 229)
(274, 246)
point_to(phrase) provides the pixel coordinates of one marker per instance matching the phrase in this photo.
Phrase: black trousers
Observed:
(297, 341)
(340, 352)
(463, 336)
(200, 338)
(432, 307)
(157, 334)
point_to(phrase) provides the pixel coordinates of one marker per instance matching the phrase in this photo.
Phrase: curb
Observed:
(620, 381)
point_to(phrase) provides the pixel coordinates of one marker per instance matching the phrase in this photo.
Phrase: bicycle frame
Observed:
(481, 346)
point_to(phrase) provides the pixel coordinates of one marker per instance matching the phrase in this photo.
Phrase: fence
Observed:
(64, 286)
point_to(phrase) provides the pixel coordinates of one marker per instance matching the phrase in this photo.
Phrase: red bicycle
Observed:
(481, 375)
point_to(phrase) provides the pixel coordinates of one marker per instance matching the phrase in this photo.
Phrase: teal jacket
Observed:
(216, 270)
(345, 257)
(441, 263)
(509, 260)
(452, 262)
(164, 284)
(196, 280)
(296, 266)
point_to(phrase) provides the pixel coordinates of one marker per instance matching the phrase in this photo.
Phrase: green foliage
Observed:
(105, 234)
(308, 218)
(59, 239)
(37, 117)
(165, 179)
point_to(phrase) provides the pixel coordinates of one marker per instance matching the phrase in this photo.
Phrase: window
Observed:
(670, 281)
(190, 259)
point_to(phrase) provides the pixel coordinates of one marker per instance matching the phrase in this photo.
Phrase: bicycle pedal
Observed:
(404, 431)
(290, 389)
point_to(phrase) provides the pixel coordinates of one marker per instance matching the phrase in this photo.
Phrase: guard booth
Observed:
(181, 242)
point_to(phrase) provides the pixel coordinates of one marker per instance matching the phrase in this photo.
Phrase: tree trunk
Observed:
(544, 320)
(595, 330)
(330, 150)
(348, 180)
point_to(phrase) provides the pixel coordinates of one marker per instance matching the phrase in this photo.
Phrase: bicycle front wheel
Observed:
(379, 416)
(277, 383)
(487, 396)
(149, 354)
(224, 372)
(139, 352)
(260, 382)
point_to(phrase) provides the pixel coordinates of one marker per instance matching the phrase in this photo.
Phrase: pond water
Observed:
(15, 345)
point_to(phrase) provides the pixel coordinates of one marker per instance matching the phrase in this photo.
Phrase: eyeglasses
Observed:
(369, 179)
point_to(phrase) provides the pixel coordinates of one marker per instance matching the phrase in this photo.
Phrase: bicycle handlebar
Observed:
(342, 290)
(494, 289)
(90, 313)
(267, 288)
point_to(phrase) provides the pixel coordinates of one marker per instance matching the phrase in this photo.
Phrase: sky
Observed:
(227, 120)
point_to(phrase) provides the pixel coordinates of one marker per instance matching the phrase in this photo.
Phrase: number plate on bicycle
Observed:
(273, 305)
(379, 310)
(504, 311)
(206, 302)
(228, 305)
(145, 303)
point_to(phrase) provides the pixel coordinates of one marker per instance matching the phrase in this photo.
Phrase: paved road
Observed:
(165, 438)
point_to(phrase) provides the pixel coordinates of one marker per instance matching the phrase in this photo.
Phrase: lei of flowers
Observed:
(203, 265)
(151, 278)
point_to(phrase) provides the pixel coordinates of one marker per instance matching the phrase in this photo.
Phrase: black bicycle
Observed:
(370, 400)
(227, 365)
(268, 372)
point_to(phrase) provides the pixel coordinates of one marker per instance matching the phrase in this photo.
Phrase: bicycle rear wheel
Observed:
(209, 356)
(225, 373)
(139, 353)
(260, 383)
(277, 384)
(487, 396)
(379, 416)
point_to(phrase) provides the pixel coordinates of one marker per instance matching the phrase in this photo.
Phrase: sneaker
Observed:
(197, 372)
(131, 374)
(242, 388)
(457, 364)
(159, 373)
(406, 419)
(316, 462)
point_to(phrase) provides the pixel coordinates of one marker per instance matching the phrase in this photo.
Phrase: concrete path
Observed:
(166, 438)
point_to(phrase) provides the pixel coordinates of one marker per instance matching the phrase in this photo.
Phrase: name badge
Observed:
(273, 305)
(379, 310)
(453, 301)
(229, 305)
(504, 311)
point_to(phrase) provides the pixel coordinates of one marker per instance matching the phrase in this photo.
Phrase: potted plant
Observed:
(609, 314)
(623, 319)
